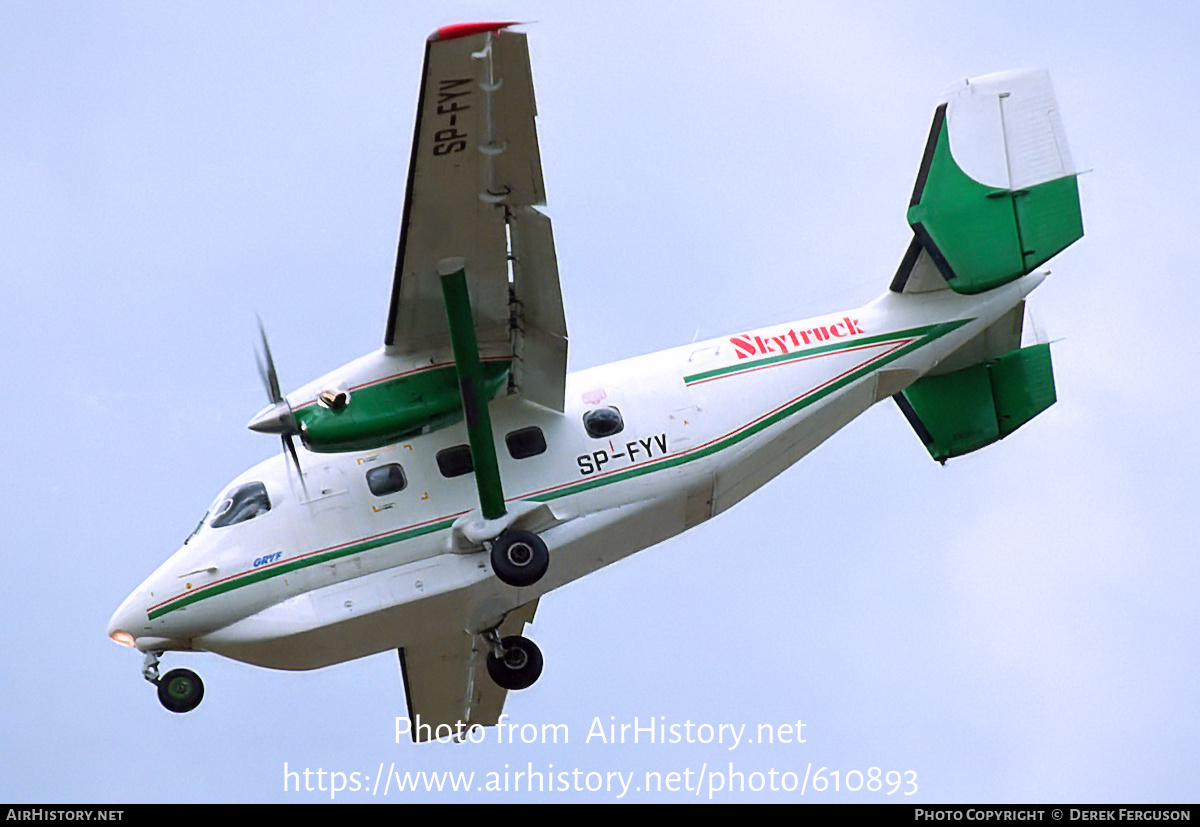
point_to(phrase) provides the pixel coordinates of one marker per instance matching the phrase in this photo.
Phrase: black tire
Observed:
(521, 665)
(519, 558)
(180, 690)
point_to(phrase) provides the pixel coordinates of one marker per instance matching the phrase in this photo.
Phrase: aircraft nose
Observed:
(128, 620)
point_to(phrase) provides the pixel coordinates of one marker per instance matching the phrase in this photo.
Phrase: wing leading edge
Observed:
(473, 180)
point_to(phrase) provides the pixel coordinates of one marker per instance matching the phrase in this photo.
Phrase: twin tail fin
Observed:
(996, 193)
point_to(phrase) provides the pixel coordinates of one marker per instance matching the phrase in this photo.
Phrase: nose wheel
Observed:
(180, 690)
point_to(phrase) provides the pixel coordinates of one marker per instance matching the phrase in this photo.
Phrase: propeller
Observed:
(276, 418)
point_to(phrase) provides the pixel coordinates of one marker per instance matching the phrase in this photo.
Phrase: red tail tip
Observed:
(467, 29)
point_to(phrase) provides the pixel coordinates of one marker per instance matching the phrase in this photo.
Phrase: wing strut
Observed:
(470, 384)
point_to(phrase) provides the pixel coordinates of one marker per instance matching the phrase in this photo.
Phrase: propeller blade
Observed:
(277, 417)
(267, 371)
(290, 448)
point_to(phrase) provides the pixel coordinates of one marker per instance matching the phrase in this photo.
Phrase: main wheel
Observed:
(520, 666)
(180, 690)
(519, 558)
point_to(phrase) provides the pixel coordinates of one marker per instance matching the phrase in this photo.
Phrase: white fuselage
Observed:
(332, 572)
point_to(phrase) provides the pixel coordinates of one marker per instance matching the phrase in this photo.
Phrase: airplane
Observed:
(450, 479)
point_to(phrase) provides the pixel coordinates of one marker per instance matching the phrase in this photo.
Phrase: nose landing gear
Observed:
(180, 690)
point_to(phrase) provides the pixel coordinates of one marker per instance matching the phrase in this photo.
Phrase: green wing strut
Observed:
(471, 387)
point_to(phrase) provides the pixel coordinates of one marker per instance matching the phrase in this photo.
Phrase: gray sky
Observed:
(1017, 626)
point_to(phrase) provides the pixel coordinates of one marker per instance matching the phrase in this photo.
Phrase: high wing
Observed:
(446, 681)
(473, 179)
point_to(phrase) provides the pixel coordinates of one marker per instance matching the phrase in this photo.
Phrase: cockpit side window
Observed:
(242, 503)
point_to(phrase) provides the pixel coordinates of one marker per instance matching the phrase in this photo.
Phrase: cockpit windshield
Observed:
(240, 504)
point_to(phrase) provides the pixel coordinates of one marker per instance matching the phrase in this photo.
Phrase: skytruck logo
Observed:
(749, 345)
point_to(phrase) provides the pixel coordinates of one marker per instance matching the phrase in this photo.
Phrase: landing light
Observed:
(122, 638)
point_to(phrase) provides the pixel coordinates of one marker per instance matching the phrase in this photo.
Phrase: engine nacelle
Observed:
(380, 413)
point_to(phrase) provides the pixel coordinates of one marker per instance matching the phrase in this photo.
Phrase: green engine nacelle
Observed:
(384, 413)
(956, 413)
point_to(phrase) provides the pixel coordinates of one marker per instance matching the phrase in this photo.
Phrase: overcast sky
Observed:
(1017, 626)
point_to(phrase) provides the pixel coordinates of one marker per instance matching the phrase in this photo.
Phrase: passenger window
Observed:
(526, 442)
(242, 503)
(603, 422)
(456, 461)
(386, 479)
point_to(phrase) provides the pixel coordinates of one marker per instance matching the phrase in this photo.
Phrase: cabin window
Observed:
(386, 479)
(603, 422)
(242, 503)
(456, 461)
(526, 442)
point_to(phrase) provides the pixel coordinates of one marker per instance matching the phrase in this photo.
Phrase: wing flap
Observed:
(541, 330)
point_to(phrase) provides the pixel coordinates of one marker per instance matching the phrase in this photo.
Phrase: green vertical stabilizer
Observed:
(981, 236)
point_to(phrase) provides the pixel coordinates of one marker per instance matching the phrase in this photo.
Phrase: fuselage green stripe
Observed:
(312, 559)
(923, 336)
(800, 403)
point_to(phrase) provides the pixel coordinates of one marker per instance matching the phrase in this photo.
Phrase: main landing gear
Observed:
(180, 690)
(519, 558)
(514, 662)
